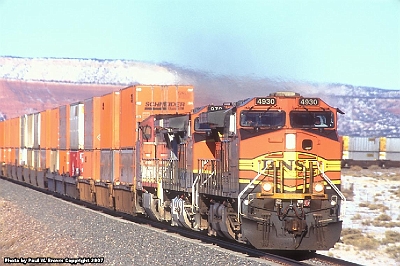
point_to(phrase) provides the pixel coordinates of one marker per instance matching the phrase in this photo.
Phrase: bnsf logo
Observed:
(291, 165)
(165, 105)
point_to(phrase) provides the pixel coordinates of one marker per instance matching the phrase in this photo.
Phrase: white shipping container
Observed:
(77, 126)
(54, 163)
(393, 145)
(363, 144)
(23, 156)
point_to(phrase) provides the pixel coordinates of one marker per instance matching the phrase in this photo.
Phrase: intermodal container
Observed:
(92, 123)
(127, 166)
(64, 135)
(7, 133)
(76, 160)
(30, 159)
(110, 114)
(44, 129)
(63, 162)
(140, 101)
(2, 135)
(43, 158)
(54, 128)
(54, 161)
(77, 125)
(91, 165)
(363, 148)
(109, 165)
(27, 130)
(23, 157)
(390, 149)
(36, 130)
(48, 164)
(15, 132)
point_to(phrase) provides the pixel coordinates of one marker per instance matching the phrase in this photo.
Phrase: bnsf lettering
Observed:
(164, 106)
(291, 165)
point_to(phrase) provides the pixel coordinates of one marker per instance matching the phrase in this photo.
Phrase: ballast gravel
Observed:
(34, 224)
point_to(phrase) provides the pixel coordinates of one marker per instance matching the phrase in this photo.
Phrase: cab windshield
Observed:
(309, 119)
(262, 119)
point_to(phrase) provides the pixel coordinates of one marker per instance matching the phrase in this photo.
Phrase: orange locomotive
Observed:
(264, 171)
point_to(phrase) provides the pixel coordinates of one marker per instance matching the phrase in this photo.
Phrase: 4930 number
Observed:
(309, 101)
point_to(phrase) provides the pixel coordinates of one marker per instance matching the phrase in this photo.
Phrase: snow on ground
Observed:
(375, 210)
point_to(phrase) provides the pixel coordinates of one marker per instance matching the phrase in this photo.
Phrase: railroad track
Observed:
(279, 257)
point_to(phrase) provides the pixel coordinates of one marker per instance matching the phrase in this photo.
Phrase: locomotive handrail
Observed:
(246, 188)
(195, 192)
(336, 189)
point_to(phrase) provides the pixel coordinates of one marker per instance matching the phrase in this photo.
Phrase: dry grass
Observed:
(393, 252)
(356, 217)
(373, 206)
(391, 237)
(356, 238)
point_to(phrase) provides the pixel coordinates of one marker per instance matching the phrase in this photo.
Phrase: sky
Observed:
(354, 42)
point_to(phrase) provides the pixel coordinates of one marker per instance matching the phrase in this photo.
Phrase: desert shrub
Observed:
(391, 237)
(351, 231)
(356, 168)
(392, 224)
(396, 192)
(356, 238)
(373, 206)
(366, 222)
(378, 207)
(356, 217)
(394, 252)
(383, 217)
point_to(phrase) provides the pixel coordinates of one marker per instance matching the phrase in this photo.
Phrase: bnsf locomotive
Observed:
(263, 171)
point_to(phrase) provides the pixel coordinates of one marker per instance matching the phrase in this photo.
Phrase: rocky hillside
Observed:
(34, 84)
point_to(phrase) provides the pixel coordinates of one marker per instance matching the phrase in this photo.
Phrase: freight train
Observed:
(264, 171)
(367, 151)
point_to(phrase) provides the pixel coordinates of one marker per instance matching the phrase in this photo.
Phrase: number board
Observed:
(265, 101)
(309, 101)
(215, 108)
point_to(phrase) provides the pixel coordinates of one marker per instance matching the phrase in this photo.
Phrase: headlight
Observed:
(290, 141)
(267, 187)
(318, 187)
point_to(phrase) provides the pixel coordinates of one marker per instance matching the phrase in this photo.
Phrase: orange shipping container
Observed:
(44, 129)
(12, 135)
(2, 131)
(7, 133)
(110, 114)
(54, 128)
(64, 134)
(15, 132)
(63, 161)
(91, 165)
(140, 101)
